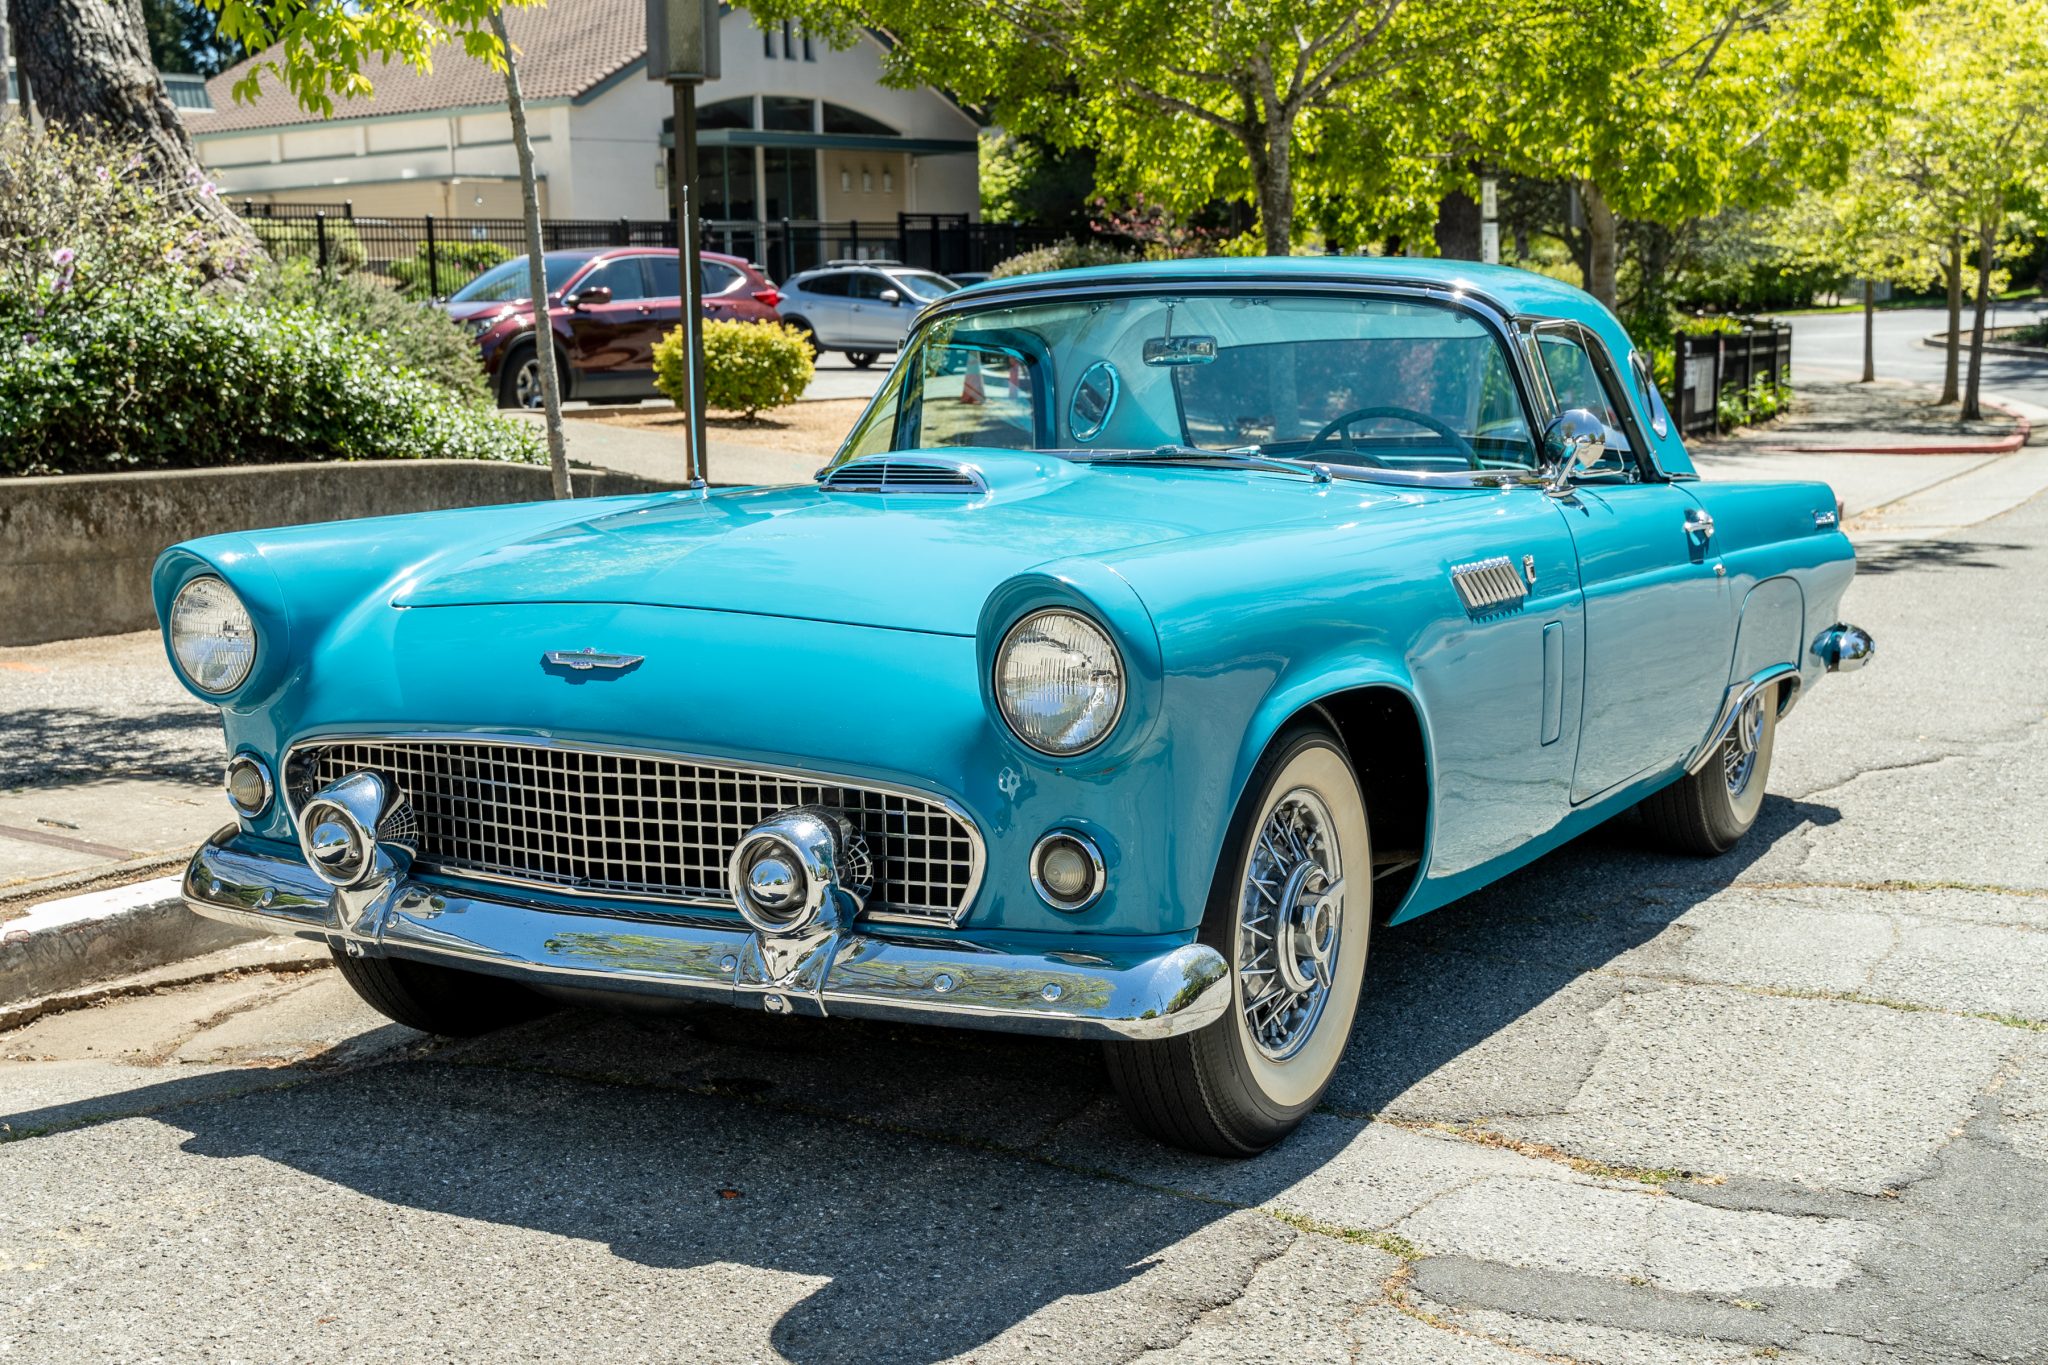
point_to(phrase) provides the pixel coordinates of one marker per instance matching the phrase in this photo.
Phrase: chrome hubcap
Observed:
(1738, 755)
(1291, 918)
(526, 388)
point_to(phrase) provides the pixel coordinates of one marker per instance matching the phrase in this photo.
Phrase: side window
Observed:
(1576, 382)
(665, 277)
(866, 284)
(625, 277)
(831, 286)
(1647, 396)
(719, 278)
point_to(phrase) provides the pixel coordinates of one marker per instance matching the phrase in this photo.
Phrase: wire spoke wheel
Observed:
(1738, 754)
(1291, 925)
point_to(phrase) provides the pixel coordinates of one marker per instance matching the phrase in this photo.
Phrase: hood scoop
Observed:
(893, 474)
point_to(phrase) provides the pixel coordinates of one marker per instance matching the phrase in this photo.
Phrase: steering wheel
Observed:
(1420, 419)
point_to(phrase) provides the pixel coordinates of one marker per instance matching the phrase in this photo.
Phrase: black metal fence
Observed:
(434, 256)
(1705, 367)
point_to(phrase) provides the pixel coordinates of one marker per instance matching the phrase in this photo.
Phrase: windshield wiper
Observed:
(1247, 457)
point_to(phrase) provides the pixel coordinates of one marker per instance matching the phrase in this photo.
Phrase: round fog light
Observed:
(248, 784)
(1067, 870)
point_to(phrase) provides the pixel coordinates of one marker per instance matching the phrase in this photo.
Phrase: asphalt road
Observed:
(1623, 1108)
(1830, 346)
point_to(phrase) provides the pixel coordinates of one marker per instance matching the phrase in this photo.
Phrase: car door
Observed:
(824, 303)
(873, 321)
(1659, 628)
(665, 296)
(612, 341)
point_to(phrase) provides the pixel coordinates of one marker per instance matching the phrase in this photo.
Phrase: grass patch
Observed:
(1390, 1242)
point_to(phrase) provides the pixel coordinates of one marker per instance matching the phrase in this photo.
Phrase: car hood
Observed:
(924, 562)
(463, 312)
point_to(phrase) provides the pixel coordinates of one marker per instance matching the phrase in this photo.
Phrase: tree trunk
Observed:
(88, 63)
(1951, 369)
(1869, 331)
(1987, 236)
(1600, 243)
(1275, 177)
(536, 269)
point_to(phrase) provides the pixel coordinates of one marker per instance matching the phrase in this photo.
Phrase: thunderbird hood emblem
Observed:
(584, 660)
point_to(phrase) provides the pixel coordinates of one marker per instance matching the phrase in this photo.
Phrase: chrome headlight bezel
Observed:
(1107, 654)
(178, 633)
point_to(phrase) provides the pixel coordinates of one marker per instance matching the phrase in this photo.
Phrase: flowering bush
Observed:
(83, 217)
(420, 338)
(1068, 255)
(155, 380)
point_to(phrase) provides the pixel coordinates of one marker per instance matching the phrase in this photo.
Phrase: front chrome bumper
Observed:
(899, 975)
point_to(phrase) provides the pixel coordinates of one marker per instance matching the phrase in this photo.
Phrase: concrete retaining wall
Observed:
(76, 550)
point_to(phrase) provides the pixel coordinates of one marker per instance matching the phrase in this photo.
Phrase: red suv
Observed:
(608, 308)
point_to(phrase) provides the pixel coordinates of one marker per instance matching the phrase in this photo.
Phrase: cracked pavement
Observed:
(1791, 1104)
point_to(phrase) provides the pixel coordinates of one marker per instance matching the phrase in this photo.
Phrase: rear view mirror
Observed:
(1183, 350)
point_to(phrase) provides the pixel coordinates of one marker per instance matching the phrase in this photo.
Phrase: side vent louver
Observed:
(893, 475)
(1488, 585)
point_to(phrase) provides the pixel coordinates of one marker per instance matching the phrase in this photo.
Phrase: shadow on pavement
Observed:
(68, 743)
(881, 1163)
(1892, 556)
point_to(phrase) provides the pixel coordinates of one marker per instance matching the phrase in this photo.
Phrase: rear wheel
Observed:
(1291, 912)
(862, 359)
(441, 1000)
(810, 333)
(1709, 811)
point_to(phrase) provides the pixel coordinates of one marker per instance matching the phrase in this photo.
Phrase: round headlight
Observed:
(1059, 682)
(212, 636)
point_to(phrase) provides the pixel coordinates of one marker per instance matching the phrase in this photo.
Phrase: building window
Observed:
(768, 43)
(809, 55)
(788, 41)
(840, 119)
(792, 188)
(786, 114)
(737, 113)
(725, 183)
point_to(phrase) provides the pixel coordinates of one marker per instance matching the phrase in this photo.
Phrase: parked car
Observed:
(1160, 635)
(609, 307)
(860, 307)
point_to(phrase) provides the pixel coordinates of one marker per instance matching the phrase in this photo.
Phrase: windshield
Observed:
(922, 285)
(506, 282)
(1339, 380)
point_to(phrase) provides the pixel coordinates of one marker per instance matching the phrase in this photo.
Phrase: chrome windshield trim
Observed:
(1489, 311)
(977, 845)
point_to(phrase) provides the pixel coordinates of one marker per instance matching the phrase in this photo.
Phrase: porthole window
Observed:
(1094, 400)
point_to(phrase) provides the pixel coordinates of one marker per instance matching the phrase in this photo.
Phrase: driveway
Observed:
(1830, 346)
(1787, 1104)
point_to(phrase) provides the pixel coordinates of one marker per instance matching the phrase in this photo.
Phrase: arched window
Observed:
(840, 119)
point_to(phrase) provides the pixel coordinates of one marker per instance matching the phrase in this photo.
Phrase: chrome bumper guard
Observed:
(902, 976)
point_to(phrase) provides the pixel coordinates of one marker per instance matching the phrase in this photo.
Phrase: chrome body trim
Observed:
(1087, 846)
(940, 979)
(875, 913)
(1844, 648)
(1732, 703)
(583, 660)
(905, 473)
(1489, 585)
(1699, 522)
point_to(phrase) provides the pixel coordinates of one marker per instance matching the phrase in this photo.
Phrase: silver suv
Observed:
(860, 307)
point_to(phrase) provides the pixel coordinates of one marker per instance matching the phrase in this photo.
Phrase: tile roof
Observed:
(565, 49)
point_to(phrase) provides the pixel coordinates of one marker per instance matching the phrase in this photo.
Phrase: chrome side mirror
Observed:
(891, 296)
(1574, 443)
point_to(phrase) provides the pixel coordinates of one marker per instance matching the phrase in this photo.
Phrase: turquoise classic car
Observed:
(1159, 635)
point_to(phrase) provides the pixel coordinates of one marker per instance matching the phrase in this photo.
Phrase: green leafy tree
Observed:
(1255, 99)
(319, 52)
(185, 38)
(1867, 231)
(1668, 113)
(1972, 139)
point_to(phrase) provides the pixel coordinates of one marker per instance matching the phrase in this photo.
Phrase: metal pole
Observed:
(689, 267)
(433, 263)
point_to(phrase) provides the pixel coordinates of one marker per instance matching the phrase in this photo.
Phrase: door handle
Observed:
(1699, 522)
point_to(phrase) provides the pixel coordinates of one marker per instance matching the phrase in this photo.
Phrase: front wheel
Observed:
(519, 384)
(862, 359)
(1709, 811)
(1291, 912)
(454, 1004)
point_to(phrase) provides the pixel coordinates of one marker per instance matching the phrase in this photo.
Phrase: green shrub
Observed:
(420, 336)
(1067, 255)
(1757, 404)
(2033, 334)
(159, 380)
(748, 366)
(299, 239)
(1716, 326)
(456, 264)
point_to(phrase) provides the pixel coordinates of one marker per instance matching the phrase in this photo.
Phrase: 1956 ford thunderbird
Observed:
(1159, 633)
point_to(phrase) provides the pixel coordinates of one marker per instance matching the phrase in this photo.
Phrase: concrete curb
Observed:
(2005, 445)
(1939, 341)
(66, 943)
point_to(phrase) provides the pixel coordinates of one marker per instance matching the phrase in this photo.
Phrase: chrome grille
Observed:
(1488, 585)
(598, 821)
(895, 475)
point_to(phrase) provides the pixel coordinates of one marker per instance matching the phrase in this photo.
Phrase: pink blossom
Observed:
(206, 191)
(193, 177)
(63, 256)
(174, 255)
(105, 175)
